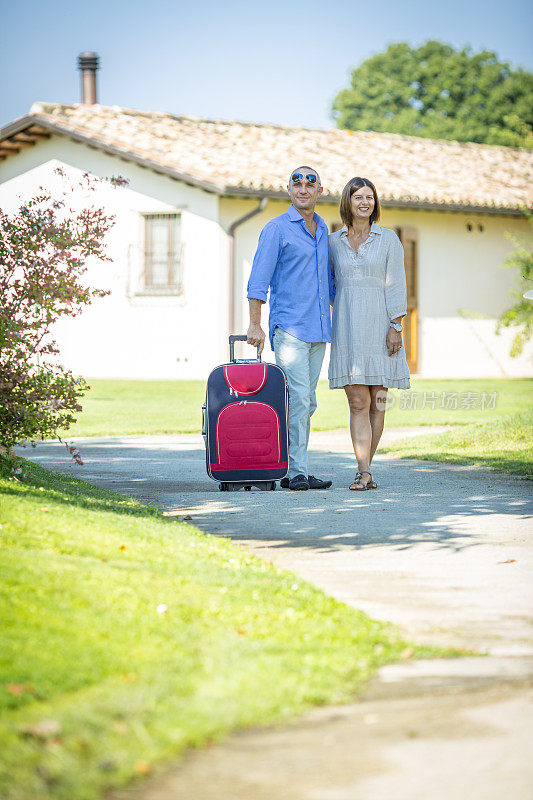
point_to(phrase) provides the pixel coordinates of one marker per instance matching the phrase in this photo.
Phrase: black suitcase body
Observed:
(245, 423)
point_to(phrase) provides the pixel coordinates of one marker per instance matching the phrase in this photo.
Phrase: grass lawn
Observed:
(505, 444)
(118, 408)
(127, 637)
(423, 403)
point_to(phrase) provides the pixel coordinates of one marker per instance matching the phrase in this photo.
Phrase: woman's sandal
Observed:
(357, 486)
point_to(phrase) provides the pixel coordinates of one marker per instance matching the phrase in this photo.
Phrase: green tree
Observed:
(438, 92)
(520, 314)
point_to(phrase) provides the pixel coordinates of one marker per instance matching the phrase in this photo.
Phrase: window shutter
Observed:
(409, 238)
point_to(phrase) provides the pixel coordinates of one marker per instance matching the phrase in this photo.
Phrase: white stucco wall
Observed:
(124, 335)
(462, 289)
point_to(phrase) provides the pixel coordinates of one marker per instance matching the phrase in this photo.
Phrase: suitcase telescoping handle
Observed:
(234, 337)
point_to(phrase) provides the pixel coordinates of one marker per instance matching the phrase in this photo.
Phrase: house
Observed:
(199, 193)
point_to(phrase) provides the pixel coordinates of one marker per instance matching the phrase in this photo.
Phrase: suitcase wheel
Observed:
(268, 486)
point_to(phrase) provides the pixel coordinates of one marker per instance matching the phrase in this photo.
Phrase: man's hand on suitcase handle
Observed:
(256, 337)
(255, 334)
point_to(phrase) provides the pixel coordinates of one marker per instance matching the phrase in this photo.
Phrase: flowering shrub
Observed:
(43, 251)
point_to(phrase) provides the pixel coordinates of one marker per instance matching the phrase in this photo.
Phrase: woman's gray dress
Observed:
(370, 291)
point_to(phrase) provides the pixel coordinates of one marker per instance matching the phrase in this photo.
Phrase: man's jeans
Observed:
(301, 362)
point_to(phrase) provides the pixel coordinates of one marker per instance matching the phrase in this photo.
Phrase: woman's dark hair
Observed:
(346, 206)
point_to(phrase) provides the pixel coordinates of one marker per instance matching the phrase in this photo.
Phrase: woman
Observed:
(367, 353)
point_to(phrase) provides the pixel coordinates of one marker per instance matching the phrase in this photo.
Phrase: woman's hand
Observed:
(394, 341)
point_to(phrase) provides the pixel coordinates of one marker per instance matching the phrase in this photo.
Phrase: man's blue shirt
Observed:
(295, 265)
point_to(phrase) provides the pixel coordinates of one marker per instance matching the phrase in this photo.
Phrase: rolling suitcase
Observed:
(245, 423)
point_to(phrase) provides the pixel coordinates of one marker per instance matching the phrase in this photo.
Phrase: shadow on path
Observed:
(416, 502)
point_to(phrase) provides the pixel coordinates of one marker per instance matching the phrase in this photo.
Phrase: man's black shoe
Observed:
(316, 483)
(299, 483)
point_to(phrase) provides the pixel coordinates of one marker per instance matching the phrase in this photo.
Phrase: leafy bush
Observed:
(44, 248)
(520, 314)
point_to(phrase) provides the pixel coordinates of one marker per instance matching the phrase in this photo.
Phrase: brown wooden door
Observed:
(409, 238)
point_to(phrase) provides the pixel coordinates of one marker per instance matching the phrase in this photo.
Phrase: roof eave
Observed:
(115, 150)
(23, 123)
(419, 205)
(17, 126)
(465, 208)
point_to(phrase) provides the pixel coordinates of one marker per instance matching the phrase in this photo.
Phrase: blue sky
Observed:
(277, 61)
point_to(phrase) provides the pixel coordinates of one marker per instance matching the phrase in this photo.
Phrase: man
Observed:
(292, 258)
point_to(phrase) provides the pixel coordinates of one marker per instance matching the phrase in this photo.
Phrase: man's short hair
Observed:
(301, 169)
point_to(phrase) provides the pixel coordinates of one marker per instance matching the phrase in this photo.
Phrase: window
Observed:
(162, 254)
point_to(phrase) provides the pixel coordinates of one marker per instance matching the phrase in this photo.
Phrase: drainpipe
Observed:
(231, 233)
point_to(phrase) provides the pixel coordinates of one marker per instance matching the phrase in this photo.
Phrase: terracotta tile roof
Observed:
(250, 158)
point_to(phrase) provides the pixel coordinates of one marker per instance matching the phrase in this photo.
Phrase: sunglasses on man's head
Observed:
(297, 177)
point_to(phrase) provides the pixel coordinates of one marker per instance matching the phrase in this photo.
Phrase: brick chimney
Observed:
(88, 64)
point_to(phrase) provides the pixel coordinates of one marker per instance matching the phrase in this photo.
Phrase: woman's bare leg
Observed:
(378, 400)
(360, 429)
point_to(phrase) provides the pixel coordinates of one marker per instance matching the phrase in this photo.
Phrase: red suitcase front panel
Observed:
(248, 437)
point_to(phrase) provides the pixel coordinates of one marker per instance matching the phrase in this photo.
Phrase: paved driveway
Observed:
(442, 551)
